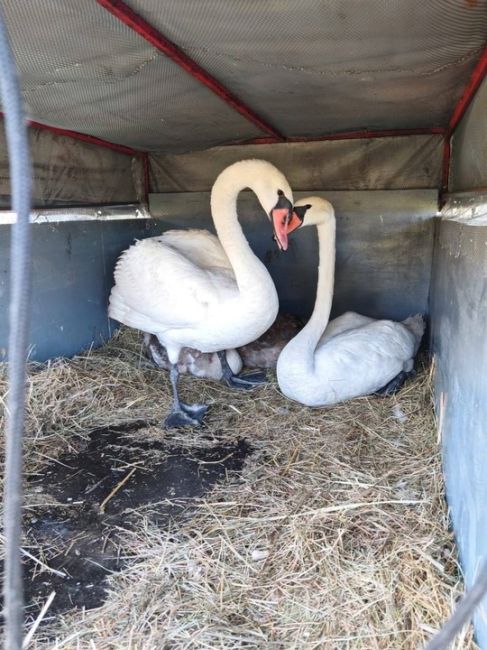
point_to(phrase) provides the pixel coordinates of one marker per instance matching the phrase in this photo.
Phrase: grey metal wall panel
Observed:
(459, 339)
(378, 163)
(70, 172)
(468, 169)
(466, 207)
(384, 237)
(384, 248)
(72, 277)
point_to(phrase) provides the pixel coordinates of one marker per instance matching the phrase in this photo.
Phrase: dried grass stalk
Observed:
(335, 535)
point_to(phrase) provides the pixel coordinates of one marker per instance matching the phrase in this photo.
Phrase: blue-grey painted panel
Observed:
(459, 339)
(383, 267)
(72, 276)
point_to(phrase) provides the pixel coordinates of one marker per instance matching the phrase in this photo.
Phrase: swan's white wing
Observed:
(363, 360)
(158, 288)
(199, 246)
(348, 321)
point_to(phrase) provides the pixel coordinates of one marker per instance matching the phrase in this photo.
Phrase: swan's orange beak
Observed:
(284, 225)
(297, 217)
(294, 223)
(280, 219)
(280, 216)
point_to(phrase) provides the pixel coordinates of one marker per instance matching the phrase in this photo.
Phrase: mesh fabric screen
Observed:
(308, 68)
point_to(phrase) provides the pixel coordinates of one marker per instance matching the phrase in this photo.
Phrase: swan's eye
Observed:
(280, 193)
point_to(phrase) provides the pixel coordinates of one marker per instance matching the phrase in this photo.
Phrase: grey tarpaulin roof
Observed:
(308, 68)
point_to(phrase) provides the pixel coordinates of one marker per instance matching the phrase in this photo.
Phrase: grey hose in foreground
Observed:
(20, 285)
(462, 614)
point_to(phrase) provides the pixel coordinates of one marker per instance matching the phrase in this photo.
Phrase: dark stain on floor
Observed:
(80, 539)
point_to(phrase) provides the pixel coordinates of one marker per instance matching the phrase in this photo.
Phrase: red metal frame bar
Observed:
(476, 78)
(350, 135)
(478, 75)
(124, 13)
(85, 137)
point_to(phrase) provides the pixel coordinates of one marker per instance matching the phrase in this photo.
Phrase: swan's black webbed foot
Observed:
(395, 384)
(182, 414)
(246, 382)
(195, 411)
(240, 382)
(178, 419)
(254, 377)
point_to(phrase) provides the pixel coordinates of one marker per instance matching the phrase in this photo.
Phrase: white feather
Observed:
(192, 289)
(353, 355)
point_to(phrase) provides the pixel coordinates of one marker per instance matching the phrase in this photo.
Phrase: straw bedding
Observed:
(334, 535)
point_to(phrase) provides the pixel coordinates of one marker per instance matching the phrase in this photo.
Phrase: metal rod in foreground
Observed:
(20, 284)
(462, 614)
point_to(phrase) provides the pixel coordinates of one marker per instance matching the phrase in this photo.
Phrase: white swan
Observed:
(191, 289)
(356, 355)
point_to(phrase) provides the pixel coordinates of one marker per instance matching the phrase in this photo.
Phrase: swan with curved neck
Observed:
(353, 355)
(192, 289)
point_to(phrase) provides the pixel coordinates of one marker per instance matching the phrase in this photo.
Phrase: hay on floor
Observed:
(335, 535)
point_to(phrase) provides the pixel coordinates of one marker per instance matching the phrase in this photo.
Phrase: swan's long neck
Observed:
(249, 271)
(304, 344)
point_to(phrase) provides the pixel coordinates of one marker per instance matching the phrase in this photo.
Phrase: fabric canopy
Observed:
(304, 68)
